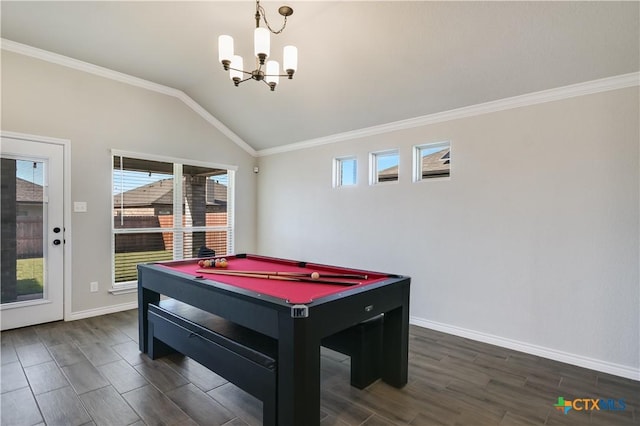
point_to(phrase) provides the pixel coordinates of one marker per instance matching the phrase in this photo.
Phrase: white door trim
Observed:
(66, 145)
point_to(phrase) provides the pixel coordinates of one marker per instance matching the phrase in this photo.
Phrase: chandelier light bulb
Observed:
(225, 49)
(290, 60)
(261, 44)
(272, 77)
(235, 72)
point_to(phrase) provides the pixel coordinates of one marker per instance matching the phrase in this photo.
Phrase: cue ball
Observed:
(315, 275)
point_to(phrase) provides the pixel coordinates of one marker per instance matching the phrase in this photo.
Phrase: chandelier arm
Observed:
(242, 81)
(242, 71)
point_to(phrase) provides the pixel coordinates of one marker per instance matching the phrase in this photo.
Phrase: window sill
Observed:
(124, 289)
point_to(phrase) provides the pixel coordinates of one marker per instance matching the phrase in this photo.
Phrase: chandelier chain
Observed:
(261, 12)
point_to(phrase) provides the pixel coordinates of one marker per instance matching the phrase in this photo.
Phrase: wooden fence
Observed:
(135, 248)
(28, 237)
(163, 241)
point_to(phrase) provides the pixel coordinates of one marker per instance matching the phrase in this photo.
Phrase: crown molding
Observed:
(34, 52)
(550, 95)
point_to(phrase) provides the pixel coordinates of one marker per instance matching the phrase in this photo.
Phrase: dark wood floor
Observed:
(91, 372)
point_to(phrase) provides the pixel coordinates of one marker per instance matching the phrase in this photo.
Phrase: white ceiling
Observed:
(361, 63)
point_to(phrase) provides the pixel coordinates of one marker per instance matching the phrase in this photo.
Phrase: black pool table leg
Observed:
(298, 373)
(145, 297)
(395, 353)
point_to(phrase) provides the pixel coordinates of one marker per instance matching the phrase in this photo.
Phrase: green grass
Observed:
(30, 276)
(125, 268)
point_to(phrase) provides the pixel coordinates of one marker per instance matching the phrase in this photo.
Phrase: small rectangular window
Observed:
(345, 171)
(384, 166)
(432, 160)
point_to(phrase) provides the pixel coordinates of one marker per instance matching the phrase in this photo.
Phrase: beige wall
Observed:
(97, 115)
(533, 242)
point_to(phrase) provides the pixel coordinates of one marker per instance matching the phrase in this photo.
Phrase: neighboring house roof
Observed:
(28, 192)
(160, 192)
(434, 163)
(388, 174)
(439, 161)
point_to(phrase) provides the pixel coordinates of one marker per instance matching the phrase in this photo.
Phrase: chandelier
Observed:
(269, 72)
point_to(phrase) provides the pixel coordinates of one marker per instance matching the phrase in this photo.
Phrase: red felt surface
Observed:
(291, 291)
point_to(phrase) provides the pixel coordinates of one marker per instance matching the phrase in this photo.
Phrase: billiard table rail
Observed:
(266, 299)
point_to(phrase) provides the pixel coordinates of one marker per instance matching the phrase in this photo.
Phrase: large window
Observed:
(165, 210)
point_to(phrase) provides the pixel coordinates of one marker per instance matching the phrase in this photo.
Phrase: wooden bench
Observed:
(363, 343)
(240, 355)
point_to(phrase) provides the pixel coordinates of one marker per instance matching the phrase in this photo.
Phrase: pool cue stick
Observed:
(278, 277)
(291, 274)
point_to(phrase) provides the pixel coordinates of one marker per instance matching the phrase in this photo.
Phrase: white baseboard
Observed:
(101, 311)
(569, 358)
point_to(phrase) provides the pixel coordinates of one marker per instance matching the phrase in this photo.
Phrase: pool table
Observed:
(299, 314)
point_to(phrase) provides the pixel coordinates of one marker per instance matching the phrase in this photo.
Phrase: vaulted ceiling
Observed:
(361, 64)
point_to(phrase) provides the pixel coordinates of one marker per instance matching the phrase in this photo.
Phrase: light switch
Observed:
(80, 206)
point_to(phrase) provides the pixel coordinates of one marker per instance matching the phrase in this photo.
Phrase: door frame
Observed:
(66, 188)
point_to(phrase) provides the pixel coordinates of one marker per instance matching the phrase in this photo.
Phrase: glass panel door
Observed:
(32, 217)
(23, 211)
